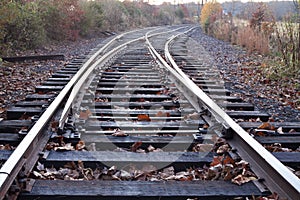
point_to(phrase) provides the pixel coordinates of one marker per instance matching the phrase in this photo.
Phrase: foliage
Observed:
(211, 11)
(61, 18)
(287, 43)
(262, 34)
(22, 26)
(26, 24)
(92, 20)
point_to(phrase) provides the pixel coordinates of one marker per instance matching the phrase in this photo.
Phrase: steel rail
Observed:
(92, 67)
(89, 64)
(278, 178)
(29, 148)
(177, 79)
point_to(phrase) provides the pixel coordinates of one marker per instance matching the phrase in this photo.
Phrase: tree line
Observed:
(259, 31)
(27, 24)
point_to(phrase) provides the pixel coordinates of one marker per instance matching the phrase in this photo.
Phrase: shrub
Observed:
(92, 19)
(211, 11)
(253, 40)
(287, 43)
(61, 18)
(23, 27)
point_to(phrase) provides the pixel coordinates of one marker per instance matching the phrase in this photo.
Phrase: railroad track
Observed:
(129, 121)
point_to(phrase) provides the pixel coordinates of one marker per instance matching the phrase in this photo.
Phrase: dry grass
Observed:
(253, 40)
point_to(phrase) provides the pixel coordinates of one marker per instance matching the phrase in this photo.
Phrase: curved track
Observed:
(133, 111)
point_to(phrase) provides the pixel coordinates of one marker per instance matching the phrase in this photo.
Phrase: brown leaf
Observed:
(143, 117)
(266, 126)
(217, 160)
(54, 125)
(162, 114)
(227, 160)
(80, 164)
(80, 145)
(135, 146)
(85, 114)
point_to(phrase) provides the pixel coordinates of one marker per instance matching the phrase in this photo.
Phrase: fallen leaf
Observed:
(151, 148)
(240, 179)
(162, 114)
(66, 147)
(135, 146)
(38, 175)
(85, 114)
(80, 145)
(203, 147)
(119, 133)
(40, 166)
(143, 117)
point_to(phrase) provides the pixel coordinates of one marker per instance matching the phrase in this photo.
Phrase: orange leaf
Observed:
(143, 117)
(265, 125)
(80, 145)
(217, 160)
(228, 160)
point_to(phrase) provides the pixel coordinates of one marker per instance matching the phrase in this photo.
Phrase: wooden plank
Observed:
(57, 75)
(237, 106)
(4, 154)
(34, 97)
(132, 97)
(123, 83)
(180, 160)
(34, 57)
(167, 143)
(47, 88)
(132, 72)
(216, 91)
(69, 72)
(225, 98)
(31, 103)
(123, 90)
(288, 158)
(137, 112)
(136, 104)
(135, 77)
(7, 126)
(144, 132)
(69, 69)
(248, 115)
(292, 141)
(17, 112)
(146, 190)
(125, 79)
(286, 126)
(53, 83)
(91, 125)
(9, 138)
(58, 79)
